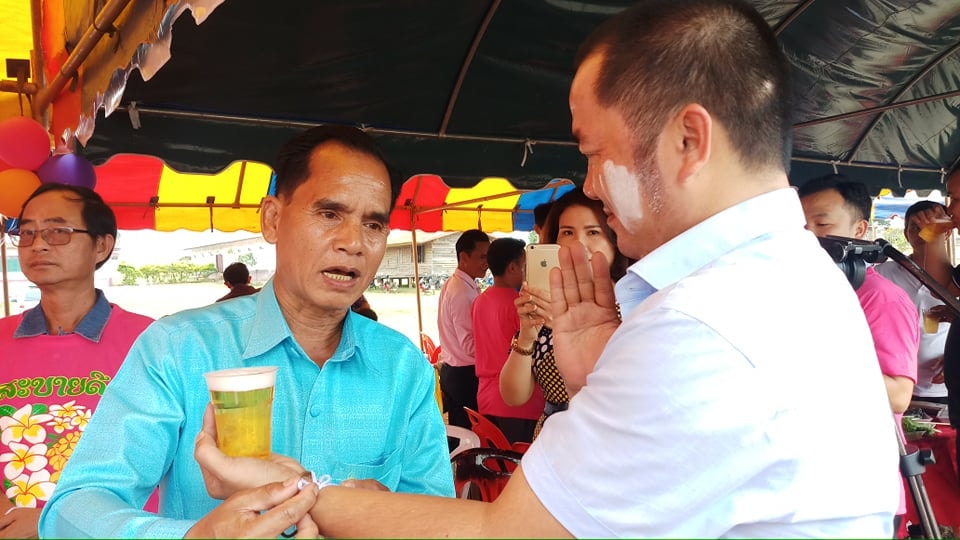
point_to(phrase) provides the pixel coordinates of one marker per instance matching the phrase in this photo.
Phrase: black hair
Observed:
(540, 213)
(502, 252)
(236, 274)
(855, 194)
(293, 161)
(98, 218)
(661, 55)
(469, 239)
(576, 197)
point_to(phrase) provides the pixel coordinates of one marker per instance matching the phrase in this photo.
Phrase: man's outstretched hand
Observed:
(584, 312)
(282, 507)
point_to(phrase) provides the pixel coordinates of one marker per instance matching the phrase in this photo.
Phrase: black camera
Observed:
(852, 256)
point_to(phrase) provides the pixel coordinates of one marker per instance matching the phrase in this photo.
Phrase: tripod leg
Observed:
(924, 511)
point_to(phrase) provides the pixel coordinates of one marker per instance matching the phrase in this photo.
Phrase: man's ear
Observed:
(861, 230)
(692, 139)
(103, 247)
(270, 210)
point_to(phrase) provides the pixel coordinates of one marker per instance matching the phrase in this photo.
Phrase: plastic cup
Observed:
(243, 403)
(930, 231)
(931, 325)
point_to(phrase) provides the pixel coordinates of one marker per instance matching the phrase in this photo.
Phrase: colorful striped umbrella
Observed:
(145, 193)
(493, 205)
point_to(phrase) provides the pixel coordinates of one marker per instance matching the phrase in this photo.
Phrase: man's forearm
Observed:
(349, 513)
(936, 262)
(344, 512)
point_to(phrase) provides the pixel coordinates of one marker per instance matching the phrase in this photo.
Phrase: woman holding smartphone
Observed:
(573, 217)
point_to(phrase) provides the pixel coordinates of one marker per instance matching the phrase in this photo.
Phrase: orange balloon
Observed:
(15, 186)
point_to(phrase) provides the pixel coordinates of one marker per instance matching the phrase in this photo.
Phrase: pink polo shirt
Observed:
(50, 385)
(453, 320)
(894, 324)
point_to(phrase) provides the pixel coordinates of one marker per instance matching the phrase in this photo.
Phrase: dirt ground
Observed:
(397, 310)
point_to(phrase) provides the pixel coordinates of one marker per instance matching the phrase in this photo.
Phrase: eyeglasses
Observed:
(54, 236)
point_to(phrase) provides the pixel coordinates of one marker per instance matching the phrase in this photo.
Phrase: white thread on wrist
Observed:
(310, 477)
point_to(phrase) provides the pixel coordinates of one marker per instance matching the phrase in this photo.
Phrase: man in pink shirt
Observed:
(57, 358)
(839, 207)
(458, 378)
(495, 323)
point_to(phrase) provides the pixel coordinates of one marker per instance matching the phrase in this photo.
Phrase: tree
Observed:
(130, 274)
(893, 235)
(248, 259)
(182, 271)
(151, 273)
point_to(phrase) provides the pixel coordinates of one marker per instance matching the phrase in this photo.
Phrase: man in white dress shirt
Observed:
(458, 375)
(701, 414)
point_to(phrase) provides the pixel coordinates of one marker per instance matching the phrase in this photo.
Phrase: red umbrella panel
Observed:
(428, 204)
(147, 194)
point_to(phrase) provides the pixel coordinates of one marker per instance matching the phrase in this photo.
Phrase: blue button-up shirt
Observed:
(369, 413)
(34, 322)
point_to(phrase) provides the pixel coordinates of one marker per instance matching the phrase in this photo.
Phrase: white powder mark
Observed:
(623, 191)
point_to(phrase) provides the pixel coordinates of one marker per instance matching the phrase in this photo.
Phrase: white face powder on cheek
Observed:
(623, 191)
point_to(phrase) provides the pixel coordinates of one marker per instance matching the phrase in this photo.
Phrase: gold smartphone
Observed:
(540, 259)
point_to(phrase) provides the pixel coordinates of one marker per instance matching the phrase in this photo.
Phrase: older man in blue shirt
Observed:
(353, 398)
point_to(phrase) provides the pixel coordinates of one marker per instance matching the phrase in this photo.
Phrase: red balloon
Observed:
(15, 186)
(4, 165)
(70, 169)
(24, 143)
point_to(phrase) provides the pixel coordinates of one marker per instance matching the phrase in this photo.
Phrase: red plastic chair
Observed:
(490, 434)
(428, 346)
(433, 354)
(478, 473)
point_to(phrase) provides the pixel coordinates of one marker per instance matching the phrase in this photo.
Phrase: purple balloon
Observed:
(69, 169)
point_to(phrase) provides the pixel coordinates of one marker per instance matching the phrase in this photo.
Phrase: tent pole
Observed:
(416, 277)
(102, 23)
(880, 109)
(3, 265)
(36, 58)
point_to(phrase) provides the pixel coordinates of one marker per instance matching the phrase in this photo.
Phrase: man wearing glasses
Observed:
(56, 358)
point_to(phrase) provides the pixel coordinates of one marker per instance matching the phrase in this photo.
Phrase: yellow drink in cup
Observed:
(930, 324)
(929, 232)
(243, 403)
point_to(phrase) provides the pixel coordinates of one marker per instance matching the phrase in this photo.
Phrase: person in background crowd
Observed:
(530, 366)
(696, 414)
(458, 376)
(353, 398)
(937, 263)
(929, 385)
(237, 278)
(495, 323)
(836, 206)
(73, 341)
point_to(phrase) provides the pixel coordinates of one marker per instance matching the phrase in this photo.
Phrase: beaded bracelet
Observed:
(520, 350)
